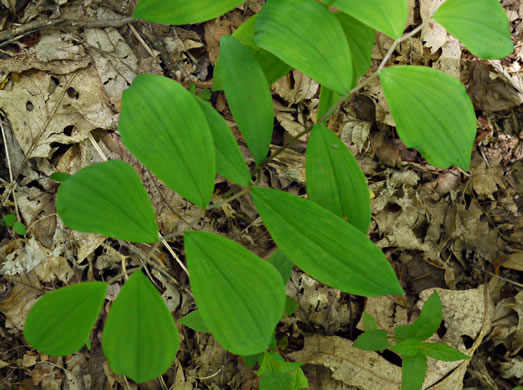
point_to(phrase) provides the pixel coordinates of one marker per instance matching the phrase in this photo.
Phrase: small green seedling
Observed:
(241, 297)
(409, 343)
(10, 221)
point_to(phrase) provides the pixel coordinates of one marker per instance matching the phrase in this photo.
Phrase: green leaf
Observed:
(402, 332)
(290, 306)
(140, 338)
(108, 198)
(60, 176)
(272, 66)
(205, 94)
(240, 296)
(276, 373)
(372, 340)
(163, 126)
(429, 319)
(60, 322)
(9, 219)
(323, 245)
(248, 95)
(182, 11)
(389, 17)
(482, 26)
(282, 264)
(19, 228)
(335, 180)
(194, 321)
(361, 40)
(433, 113)
(229, 159)
(307, 36)
(442, 352)
(369, 323)
(409, 347)
(251, 360)
(413, 371)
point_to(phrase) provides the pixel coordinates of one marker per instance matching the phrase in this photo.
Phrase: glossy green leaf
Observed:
(482, 26)
(433, 113)
(372, 340)
(182, 11)
(307, 36)
(108, 198)
(389, 16)
(194, 321)
(60, 176)
(335, 180)
(409, 347)
(429, 319)
(272, 66)
(140, 338)
(442, 352)
(369, 323)
(282, 263)
(248, 95)
(276, 373)
(240, 296)
(323, 245)
(179, 147)
(229, 159)
(361, 40)
(413, 371)
(60, 322)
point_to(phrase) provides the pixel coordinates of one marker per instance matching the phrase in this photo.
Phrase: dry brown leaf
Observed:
(514, 261)
(22, 297)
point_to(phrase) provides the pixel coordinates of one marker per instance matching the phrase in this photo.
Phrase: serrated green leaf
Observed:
(182, 11)
(335, 180)
(323, 245)
(413, 371)
(482, 26)
(361, 40)
(282, 263)
(60, 322)
(179, 147)
(140, 338)
(272, 66)
(108, 198)
(194, 321)
(433, 113)
(305, 35)
(9, 219)
(229, 159)
(248, 95)
(409, 347)
(19, 228)
(429, 319)
(369, 323)
(442, 352)
(240, 296)
(372, 340)
(389, 17)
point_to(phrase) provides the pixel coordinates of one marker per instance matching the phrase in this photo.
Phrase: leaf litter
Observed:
(449, 230)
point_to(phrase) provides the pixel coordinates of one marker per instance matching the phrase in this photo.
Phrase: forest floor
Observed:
(459, 232)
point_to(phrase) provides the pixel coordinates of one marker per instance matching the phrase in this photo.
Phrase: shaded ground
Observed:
(450, 229)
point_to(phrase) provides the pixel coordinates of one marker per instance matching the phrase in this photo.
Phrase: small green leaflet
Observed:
(282, 264)
(140, 338)
(369, 323)
(183, 11)
(248, 95)
(60, 322)
(335, 179)
(272, 66)
(482, 26)
(442, 352)
(429, 319)
(389, 16)
(372, 340)
(440, 121)
(194, 321)
(276, 373)
(307, 36)
(323, 245)
(108, 198)
(179, 148)
(240, 297)
(413, 371)
(229, 159)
